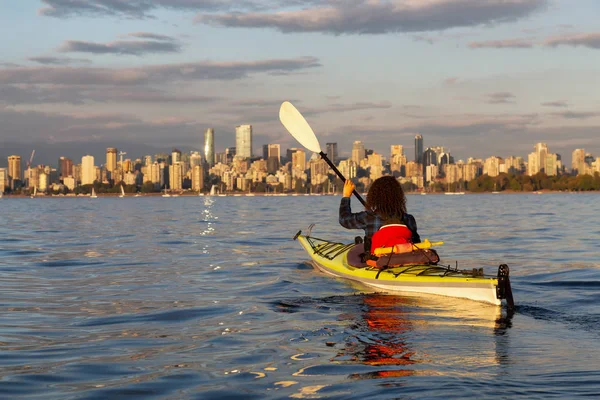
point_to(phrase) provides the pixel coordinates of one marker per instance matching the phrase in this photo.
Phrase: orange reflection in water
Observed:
(382, 341)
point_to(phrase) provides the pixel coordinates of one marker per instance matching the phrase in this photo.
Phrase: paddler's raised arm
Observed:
(347, 218)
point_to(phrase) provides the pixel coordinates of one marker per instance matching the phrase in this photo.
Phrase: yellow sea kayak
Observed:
(333, 258)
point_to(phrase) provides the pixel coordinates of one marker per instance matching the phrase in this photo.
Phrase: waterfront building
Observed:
(14, 170)
(375, 165)
(491, 166)
(243, 141)
(197, 177)
(331, 149)
(318, 170)
(419, 149)
(77, 173)
(514, 165)
(358, 152)
(69, 182)
(348, 168)
(298, 163)
(195, 159)
(3, 179)
(65, 167)
(209, 146)
(175, 156)
(175, 176)
(111, 159)
(88, 171)
(578, 161)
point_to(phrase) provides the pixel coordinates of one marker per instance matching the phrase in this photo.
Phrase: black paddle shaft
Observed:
(339, 174)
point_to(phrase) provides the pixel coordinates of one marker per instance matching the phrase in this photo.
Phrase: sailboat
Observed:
(34, 192)
(122, 192)
(213, 190)
(93, 195)
(165, 194)
(1, 194)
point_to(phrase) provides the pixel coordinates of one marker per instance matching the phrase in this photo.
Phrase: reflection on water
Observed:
(209, 298)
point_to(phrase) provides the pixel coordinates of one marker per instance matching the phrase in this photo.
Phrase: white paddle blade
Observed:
(297, 126)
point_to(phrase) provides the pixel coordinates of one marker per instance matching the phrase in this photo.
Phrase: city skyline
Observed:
(95, 73)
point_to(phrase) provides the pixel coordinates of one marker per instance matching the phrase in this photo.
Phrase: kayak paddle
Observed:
(297, 126)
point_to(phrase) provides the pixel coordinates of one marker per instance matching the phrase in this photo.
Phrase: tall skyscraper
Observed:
(175, 156)
(3, 179)
(209, 146)
(274, 150)
(243, 141)
(111, 159)
(88, 170)
(332, 151)
(578, 161)
(195, 159)
(419, 149)
(358, 151)
(175, 176)
(14, 169)
(65, 167)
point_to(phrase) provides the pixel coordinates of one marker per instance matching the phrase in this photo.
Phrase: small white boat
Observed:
(122, 192)
(93, 195)
(34, 192)
(165, 194)
(213, 190)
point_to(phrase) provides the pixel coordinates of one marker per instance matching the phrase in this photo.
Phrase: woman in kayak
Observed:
(386, 206)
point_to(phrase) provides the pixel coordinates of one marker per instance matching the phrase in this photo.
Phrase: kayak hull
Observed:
(435, 280)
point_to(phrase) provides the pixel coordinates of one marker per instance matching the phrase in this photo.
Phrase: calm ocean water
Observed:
(197, 298)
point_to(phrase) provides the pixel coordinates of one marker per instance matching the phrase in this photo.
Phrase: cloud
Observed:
(153, 36)
(379, 17)
(51, 60)
(121, 47)
(558, 103)
(152, 74)
(576, 114)
(83, 94)
(139, 9)
(591, 40)
(453, 80)
(503, 44)
(500, 98)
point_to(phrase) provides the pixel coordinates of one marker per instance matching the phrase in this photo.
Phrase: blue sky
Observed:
(480, 77)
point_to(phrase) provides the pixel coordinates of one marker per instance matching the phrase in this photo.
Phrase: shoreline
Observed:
(116, 195)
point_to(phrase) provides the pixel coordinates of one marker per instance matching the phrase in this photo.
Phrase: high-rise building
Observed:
(88, 170)
(209, 146)
(243, 141)
(419, 149)
(298, 163)
(578, 161)
(358, 152)
(197, 177)
(491, 166)
(331, 149)
(175, 176)
(273, 150)
(147, 160)
(3, 179)
(65, 167)
(111, 159)
(195, 159)
(175, 156)
(14, 170)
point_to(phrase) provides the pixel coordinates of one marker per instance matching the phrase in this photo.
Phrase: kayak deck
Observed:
(332, 258)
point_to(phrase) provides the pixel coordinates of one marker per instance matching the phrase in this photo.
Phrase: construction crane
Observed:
(30, 159)
(121, 154)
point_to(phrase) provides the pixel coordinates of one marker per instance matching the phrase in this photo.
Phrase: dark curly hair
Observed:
(386, 199)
